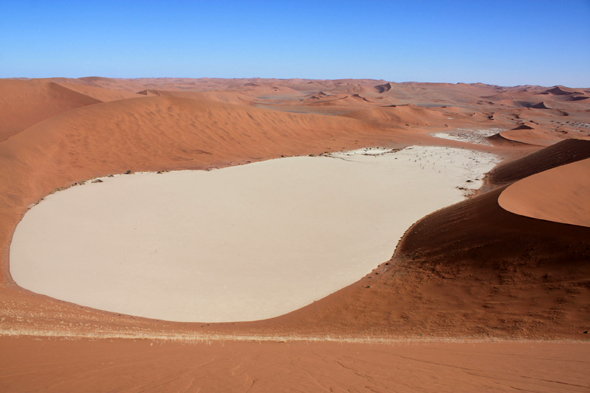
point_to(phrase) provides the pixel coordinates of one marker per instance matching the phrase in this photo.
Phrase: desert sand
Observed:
(475, 288)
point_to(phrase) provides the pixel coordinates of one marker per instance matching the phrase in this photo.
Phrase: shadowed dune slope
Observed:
(564, 152)
(563, 91)
(533, 272)
(560, 194)
(542, 105)
(385, 87)
(26, 102)
(499, 141)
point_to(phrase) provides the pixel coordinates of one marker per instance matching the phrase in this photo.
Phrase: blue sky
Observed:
(497, 42)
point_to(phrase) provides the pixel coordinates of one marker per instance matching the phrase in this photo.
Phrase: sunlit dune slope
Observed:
(26, 102)
(529, 271)
(400, 115)
(561, 153)
(560, 194)
(228, 97)
(99, 93)
(129, 85)
(531, 134)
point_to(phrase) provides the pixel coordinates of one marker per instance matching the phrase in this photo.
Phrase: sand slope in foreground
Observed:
(143, 365)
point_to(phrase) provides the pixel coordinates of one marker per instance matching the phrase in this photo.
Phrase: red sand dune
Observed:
(228, 97)
(501, 271)
(129, 85)
(400, 116)
(561, 153)
(560, 194)
(26, 102)
(579, 98)
(100, 93)
(542, 105)
(532, 135)
(338, 100)
(385, 87)
(562, 91)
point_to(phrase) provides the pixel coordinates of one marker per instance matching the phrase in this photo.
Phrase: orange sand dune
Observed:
(471, 268)
(228, 97)
(561, 153)
(338, 100)
(253, 86)
(383, 88)
(560, 194)
(498, 140)
(542, 105)
(505, 272)
(129, 85)
(400, 116)
(563, 91)
(578, 98)
(26, 102)
(440, 93)
(99, 93)
(532, 135)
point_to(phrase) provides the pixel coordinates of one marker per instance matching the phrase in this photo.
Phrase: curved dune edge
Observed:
(560, 194)
(530, 135)
(564, 152)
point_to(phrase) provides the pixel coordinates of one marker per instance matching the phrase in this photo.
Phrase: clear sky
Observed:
(513, 42)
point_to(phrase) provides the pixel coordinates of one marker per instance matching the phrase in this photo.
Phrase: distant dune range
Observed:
(511, 261)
